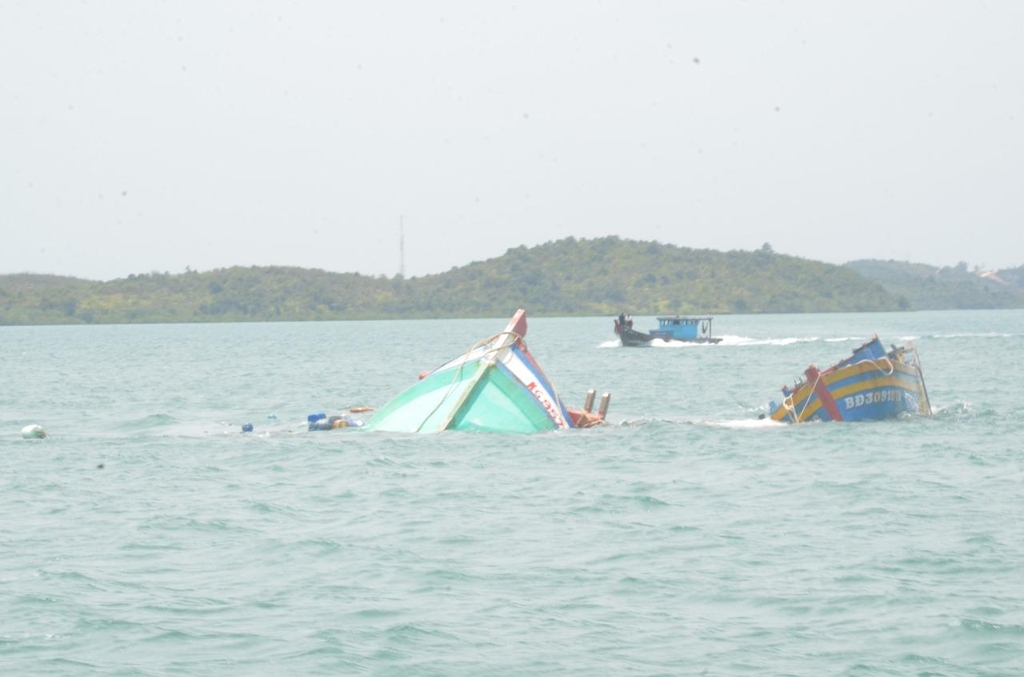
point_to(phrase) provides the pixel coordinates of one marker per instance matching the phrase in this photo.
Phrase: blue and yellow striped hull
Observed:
(869, 386)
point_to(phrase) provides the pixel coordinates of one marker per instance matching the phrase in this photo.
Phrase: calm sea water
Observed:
(149, 536)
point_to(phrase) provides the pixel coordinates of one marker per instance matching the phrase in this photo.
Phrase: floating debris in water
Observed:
(34, 431)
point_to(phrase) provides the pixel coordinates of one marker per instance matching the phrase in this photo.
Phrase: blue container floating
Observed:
(335, 423)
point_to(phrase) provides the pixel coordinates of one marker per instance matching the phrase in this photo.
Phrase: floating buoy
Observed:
(33, 432)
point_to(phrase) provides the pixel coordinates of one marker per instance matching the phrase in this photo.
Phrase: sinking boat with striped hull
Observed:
(495, 386)
(870, 385)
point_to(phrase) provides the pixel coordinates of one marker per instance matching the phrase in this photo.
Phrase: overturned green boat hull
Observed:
(496, 386)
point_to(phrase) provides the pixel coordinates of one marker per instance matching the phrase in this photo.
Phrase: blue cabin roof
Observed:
(678, 320)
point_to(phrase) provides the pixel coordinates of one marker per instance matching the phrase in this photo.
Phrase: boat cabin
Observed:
(683, 328)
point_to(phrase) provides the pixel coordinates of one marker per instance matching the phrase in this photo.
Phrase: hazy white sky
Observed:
(140, 136)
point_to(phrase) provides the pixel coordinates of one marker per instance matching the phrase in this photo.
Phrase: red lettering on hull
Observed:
(546, 402)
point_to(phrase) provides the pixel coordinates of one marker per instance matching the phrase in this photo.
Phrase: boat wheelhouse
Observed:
(695, 329)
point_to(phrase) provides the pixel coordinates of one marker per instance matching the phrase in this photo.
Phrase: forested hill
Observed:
(563, 278)
(607, 275)
(931, 288)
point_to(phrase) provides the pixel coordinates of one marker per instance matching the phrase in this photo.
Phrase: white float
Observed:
(34, 431)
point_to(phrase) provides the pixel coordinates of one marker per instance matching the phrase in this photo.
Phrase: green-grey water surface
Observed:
(148, 536)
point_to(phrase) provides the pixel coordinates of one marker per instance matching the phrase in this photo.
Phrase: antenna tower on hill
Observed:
(401, 247)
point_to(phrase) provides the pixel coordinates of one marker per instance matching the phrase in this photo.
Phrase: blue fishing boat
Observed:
(870, 385)
(495, 386)
(675, 328)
